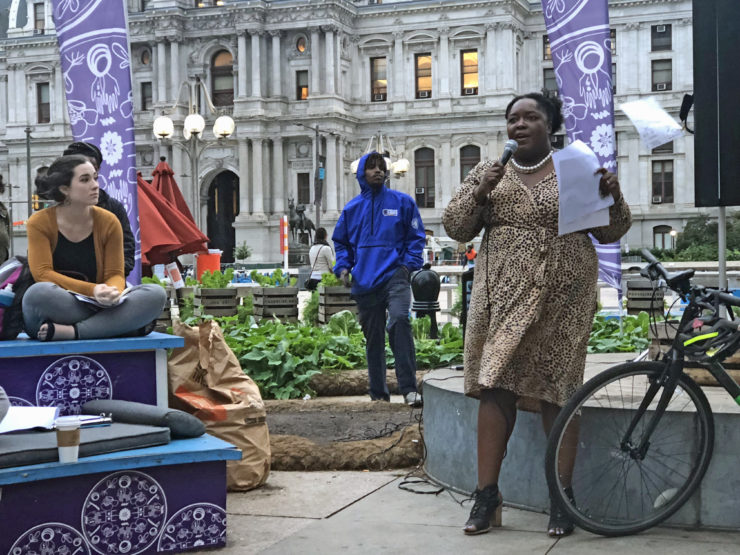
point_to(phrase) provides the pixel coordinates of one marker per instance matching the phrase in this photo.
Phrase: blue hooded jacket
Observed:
(377, 232)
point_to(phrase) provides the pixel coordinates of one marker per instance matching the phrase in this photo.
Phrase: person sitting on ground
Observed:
(321, 258)
(92, 153)
(76, 246)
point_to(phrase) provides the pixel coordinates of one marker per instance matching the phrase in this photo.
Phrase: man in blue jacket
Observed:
(379, 240)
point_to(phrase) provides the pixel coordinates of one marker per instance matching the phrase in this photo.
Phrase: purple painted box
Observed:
(169, 498)
(69, 373)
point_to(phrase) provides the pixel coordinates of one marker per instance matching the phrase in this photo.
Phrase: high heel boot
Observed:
(486, 511)
(560, 524)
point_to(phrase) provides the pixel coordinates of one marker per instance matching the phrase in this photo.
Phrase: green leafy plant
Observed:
(191, 282)
(311, 310)
(154, 279)
(328, 279)
(217, 279)
(187, 307)
(276, 279)
(607, 338)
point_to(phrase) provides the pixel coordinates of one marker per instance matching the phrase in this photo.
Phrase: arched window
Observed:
(222, 78)
(469, 158)
(664, 237)
(424, 171)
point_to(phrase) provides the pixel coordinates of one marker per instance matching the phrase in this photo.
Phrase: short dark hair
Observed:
(59, 174)
(85, 149)
(548, 105)
(320, 235)
(375, 159)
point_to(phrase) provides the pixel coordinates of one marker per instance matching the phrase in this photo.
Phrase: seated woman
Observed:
(77, 247)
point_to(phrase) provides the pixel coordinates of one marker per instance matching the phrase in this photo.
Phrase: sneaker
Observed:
(413, 399)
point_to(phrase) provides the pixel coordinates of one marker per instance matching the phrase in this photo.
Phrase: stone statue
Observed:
(301, 226)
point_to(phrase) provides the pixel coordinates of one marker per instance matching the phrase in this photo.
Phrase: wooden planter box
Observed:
(278, 302)
(216, 302)
(661, 341)
(164, 320)
(332, 300)
(640, 297)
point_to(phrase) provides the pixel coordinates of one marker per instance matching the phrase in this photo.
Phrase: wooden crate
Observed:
(661, 339)
(333, 300)
(641, 298)
(164, 320)
(278, 302)
(216, 302)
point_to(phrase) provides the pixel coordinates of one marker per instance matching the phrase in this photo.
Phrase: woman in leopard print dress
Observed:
(533, 297)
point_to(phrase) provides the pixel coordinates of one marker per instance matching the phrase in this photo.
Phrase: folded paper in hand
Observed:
(94, 301)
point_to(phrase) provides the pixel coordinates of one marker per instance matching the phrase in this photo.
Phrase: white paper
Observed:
(26, 418)
(655, 126)
(581, 205)
(94, 301)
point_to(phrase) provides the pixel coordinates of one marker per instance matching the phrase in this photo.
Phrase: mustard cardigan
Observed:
(43, 232)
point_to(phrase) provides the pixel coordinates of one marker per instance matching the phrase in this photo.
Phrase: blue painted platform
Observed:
(25, 347)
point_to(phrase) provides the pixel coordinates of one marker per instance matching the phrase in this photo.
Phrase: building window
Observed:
(664, 237)
(301, 44)
(614, 77)
(39, 22)
(301, 84)
(424, 170)
(43, 107)
(613, 41)
(660, 38)
(304, 188)
(146, 57)
(378, 79)
(222, 77)
(662, 75)
(469, 72)
(469, 158)
(667, 148)
(146, 95)
(208, 3)
(549, 82)
(423, 72)
(546, 52)
(662, 181)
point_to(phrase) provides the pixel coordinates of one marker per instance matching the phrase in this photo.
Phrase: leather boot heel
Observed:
(486, 511)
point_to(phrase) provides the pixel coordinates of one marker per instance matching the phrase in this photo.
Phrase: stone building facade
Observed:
(430, 78)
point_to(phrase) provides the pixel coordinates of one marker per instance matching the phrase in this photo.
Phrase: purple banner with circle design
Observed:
(93, 45)
(580, 44)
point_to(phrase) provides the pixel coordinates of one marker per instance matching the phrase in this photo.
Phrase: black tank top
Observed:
(76, 260)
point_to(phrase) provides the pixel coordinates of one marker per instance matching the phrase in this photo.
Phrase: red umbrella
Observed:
(164, 182)
(164, 231)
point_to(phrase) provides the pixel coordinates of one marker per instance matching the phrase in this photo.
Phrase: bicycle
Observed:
(643, 431)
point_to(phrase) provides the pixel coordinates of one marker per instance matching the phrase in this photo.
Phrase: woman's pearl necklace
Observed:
(531, 169)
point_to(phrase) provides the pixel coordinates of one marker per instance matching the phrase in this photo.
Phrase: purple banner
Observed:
(93, 44)
(581, 55)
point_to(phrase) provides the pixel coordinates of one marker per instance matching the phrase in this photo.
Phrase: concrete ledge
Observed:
(450, 428)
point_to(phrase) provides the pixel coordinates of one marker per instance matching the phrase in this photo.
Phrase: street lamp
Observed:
(192, 131)
(398, 168)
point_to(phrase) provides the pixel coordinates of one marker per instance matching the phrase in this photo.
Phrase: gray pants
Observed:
(46, 301)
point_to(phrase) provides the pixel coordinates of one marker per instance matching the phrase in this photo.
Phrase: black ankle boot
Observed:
(560, 524)
(486, 511)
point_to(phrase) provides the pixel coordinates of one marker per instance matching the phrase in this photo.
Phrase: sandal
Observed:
(560, 524)
(486, 511)
(50, 329)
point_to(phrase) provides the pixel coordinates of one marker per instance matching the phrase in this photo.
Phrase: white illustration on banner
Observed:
(70, 382)
(601, 115)
(595, 84)
(81, 117)
(572, 112)
(602, 140)
(19, 402)
(74, 59)
(50, 537)
(111, 147)
(197, 525)
(104, 90)
(127, 106)
(554, 6)
(124, 512)
(122, 54)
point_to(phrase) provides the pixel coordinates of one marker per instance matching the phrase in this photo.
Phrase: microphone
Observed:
(509, 150)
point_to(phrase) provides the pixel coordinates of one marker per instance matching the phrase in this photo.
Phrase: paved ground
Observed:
(366, 512)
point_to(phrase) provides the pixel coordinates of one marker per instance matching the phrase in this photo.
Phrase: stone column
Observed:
(4, 100)
(629, 39)
(445, 185)
(331, 182)
(59, 111)
(243, 148)
(329, 62)
(256, 65)
(488, 83)
(444, 62)
(506, 74)
(162, 72)
(341, 176)
(241, 73)
(277, 89)
(174, 68)
(315, 88)
(279, 190)
(258, 187)
(397, 85)
(12, 93)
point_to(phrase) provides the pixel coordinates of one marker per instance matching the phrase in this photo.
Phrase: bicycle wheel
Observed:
(616, 491)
